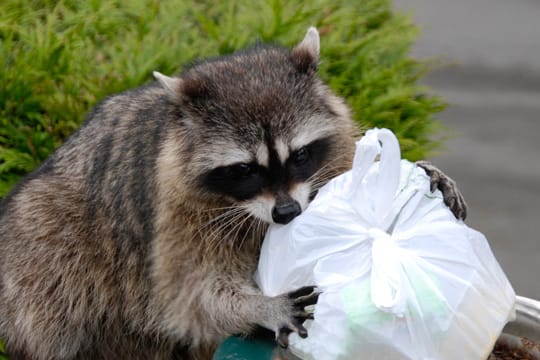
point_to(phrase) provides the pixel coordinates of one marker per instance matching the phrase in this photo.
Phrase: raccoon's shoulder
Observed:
(44, 169)
(125, 123)
(128, 122)
(144, 103)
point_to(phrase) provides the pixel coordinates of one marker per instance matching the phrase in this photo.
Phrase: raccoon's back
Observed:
(102, 179)
(109, 163)
(74, 234)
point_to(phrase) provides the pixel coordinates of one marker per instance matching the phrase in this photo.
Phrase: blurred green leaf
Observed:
(2, 354)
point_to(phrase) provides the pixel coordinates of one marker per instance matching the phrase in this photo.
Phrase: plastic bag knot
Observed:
(386, 282)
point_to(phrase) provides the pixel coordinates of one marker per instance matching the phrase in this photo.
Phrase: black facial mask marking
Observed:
(243, 181)
(305, 161)
(240, 181)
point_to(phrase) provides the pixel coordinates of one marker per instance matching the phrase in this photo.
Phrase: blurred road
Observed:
(492, 82)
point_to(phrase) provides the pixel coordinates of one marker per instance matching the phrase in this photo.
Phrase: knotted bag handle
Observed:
(384, 143)
(386, 278)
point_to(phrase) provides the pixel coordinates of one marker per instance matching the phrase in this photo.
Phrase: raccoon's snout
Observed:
(284, 213)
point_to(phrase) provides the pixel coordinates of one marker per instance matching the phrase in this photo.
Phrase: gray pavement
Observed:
(491, 79)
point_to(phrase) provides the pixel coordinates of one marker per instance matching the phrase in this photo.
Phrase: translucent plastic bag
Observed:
(401, 277)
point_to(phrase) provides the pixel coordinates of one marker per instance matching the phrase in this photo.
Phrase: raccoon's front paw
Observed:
(451, 194)
(291, 313)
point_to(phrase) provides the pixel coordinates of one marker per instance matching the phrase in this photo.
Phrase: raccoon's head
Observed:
(264, 132)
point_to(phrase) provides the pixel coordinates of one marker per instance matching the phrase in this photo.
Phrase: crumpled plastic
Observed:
(401, 277)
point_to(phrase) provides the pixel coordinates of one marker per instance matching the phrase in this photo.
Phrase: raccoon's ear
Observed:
(171, 85)
(305, 55)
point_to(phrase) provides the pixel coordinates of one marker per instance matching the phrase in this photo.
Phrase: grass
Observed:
(58, 58)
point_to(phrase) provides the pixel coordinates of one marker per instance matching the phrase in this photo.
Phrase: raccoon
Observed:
(138, 238)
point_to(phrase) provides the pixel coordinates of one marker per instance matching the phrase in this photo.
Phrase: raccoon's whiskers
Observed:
(222, 208)
(220, 223)
(260, 231)
(256, 229)
(238, 221)
(324, 174)
(228, 221)
(329, 167)
(322, 178)
(248, 230)
(260, 228)
(234, 210)
(235, 223)
(236, 229)
(318, 183)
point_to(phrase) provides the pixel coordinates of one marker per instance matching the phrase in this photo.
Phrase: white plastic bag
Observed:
(401, 277)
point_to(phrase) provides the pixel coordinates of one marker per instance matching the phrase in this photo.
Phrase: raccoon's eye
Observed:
(243, 170)
(301, 156)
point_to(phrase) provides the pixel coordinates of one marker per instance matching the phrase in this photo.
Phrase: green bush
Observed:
(58, 58)
(2, 354)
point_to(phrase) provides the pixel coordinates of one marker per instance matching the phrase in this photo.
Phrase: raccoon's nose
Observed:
(284, 213)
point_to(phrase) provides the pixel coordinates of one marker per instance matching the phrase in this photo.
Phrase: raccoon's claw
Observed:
(298, 300)
(304, 296)
(282, 337)
(451, 194)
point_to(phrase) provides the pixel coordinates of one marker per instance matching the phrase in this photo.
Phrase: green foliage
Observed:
(58, 58)
(2, 354)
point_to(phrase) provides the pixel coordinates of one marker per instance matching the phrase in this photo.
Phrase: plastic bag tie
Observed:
(386, 282)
